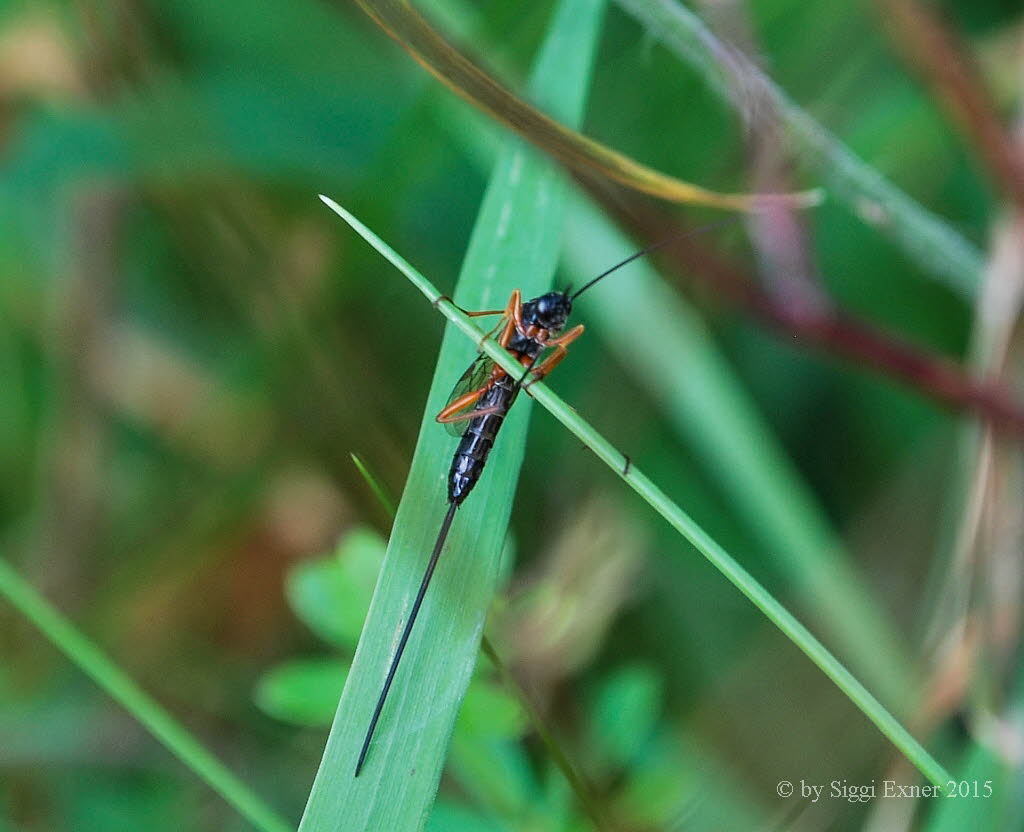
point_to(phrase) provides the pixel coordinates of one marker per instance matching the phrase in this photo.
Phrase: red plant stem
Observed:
(814, 320)
(940, 379)
(935, 51)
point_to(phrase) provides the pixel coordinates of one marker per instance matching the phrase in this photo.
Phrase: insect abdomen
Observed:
(477, 441)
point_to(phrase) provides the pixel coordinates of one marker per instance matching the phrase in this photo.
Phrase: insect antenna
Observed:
(693, 232)
(442, 535)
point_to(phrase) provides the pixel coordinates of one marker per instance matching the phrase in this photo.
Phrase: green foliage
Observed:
(625, 712)
(982, 15)
(331, 596)
(142, 707)
(193, 350)
(303, 691)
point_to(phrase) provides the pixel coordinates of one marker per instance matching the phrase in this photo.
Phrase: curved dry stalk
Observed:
(412, 31)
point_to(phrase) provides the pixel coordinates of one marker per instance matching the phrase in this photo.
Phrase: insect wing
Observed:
(475, 377)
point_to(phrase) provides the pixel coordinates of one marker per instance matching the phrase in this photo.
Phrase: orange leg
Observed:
(499, 325)
(514, 307)
(515, 311)
(452, 414)
(502, 322)
(466, 401)
(564, 340)
(513, 319)
(468, 312)
(506, 334)
(560, 345)
(469, 414)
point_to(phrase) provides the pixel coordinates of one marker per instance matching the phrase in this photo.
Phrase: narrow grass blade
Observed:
(679, 520)
(516, 242)
(133, 699)
(700, 395)
(376, 486)
(933, 244)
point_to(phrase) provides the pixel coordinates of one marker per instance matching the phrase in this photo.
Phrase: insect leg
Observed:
(515, 311)
(563, 341)
(482, 313)
(471, 414)
(461, 408)
(465, 402)
(451, 412)
(560, 344)
(507, 323)
(469, 313)
(501, 323)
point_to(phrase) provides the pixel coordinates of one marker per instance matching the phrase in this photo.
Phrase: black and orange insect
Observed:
(532, 331)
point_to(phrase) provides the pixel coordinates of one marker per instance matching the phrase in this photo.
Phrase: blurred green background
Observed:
(192, 347)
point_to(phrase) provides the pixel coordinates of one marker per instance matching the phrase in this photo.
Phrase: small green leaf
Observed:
(452, 817)
(331, 596)
(495, 773)
(489, 710)
(624, 713)
(303, 691)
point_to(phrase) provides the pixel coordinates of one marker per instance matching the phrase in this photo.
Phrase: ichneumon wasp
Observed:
(480, 401)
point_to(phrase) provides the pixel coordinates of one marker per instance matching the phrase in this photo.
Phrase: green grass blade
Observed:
(376, 486)
(679, 520)
(932, 243)
(133, 699)
(516, 242)
(706, 404)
